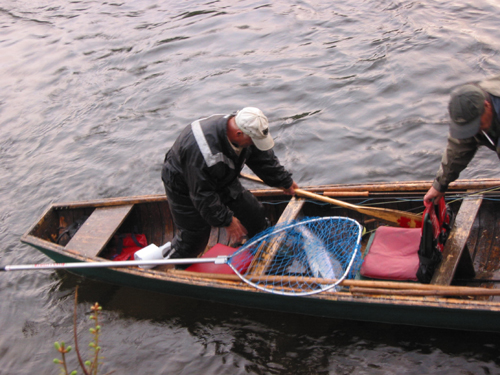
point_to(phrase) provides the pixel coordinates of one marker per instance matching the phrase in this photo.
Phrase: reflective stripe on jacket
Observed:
(203, 167)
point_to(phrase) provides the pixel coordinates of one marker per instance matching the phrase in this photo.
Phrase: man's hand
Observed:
(236, 232)
(433, 195)
(291, 189)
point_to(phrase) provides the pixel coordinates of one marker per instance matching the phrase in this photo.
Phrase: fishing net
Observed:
(302, 257)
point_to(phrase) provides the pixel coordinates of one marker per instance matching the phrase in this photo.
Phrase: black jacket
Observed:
(202, 169)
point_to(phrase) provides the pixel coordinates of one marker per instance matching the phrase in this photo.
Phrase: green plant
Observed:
(63, 349)
(91, 366)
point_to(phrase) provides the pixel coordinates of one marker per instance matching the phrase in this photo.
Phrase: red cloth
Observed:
(128, 246)
(243, 260)
(393, 254)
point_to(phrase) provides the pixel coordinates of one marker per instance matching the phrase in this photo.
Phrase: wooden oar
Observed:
(380, 284)
(402, 218)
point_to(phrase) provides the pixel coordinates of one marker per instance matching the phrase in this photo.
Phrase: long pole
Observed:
(356, 286)
(375, 287)
(402, 218)
(120, 263)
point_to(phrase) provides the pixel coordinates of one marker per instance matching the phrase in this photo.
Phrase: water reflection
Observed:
(275, 343)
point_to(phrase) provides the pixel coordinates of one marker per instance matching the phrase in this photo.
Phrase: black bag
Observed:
(436, 228)
(66, 234)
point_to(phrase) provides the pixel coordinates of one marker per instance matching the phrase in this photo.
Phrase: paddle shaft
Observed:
(121, 263)
(403, 219)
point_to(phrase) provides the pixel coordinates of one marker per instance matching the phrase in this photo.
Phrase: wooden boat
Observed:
(449, 301)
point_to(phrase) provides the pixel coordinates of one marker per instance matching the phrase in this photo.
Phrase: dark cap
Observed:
(466, 107)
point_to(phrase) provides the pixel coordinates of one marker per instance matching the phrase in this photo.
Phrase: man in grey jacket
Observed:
(200, 175)
(474, 110)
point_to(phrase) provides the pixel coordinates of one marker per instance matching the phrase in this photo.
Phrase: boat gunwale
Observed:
(397, 186)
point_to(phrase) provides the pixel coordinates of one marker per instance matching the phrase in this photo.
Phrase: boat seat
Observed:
(98, 229)
(455, 252)
(265, 253)
(392, 254)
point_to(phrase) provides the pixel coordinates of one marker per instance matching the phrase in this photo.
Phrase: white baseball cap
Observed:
(253, 123)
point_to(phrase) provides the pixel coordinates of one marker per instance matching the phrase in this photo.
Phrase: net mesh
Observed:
(302, 257)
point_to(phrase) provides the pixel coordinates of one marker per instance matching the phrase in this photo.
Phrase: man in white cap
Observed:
(474, 110)
(200, 175)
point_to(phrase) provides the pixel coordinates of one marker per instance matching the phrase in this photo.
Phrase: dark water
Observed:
(93, 94)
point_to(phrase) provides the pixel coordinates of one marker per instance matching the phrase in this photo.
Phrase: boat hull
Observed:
(477, 314)
(413, 312)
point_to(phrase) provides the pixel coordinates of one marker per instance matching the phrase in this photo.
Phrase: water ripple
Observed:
(94, 93)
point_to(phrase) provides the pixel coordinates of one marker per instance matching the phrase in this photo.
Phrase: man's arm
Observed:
(456, 157)
(458, 154)
(266, 165)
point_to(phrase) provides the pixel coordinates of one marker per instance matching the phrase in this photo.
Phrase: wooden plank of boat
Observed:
(266, 253)
(457, 241)
(346, 193)
(376, 287)
(400, 186)
(98, 229)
